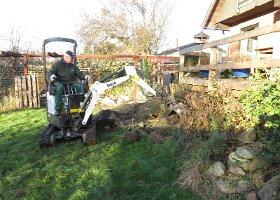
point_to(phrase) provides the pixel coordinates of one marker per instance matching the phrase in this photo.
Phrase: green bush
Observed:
(262, 108)
(262, 105)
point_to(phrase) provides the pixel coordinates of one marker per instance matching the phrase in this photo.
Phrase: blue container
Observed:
(203, 73)
(241, 72)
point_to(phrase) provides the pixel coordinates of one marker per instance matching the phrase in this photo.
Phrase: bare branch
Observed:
(132, 26)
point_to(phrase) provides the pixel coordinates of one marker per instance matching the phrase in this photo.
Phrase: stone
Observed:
(178, 108)
(247, 165)
(233, 177)
(244, 186)
(270, 190)
(236, 170)
(140, 125)
(258, 179)
(124, 98)
(236, 160)
(251, 196)
(217, 169)
(258, 147)
(247, 136)
(108, 101)
(226, 186)
(252, 165)
(246, 152)
(107, 127)
(256, 163)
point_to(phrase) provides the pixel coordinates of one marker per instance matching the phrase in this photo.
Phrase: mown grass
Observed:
(112, 169)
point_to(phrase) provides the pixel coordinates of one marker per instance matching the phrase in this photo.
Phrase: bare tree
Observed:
(126, 27)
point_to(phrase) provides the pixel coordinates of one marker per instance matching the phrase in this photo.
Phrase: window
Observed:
(243, 2)
(251, 44)
(248, 46)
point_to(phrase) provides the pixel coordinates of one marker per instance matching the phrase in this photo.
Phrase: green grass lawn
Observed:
(111, 169)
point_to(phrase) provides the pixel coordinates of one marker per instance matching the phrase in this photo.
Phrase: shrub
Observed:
(262, 105)
(262, 108)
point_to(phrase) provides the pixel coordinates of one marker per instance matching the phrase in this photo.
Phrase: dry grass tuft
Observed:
(194, 179)
(8, 103)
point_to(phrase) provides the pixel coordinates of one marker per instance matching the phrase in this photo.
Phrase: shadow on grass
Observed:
(111, 169)
(143, 170)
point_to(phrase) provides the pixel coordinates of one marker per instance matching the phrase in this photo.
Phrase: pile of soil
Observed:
(194, 111)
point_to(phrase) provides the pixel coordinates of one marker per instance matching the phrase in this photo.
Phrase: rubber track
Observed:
(44, 139)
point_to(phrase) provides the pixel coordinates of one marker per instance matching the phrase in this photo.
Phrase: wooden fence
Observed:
(216, 66)
(27, 92)
(27, 87)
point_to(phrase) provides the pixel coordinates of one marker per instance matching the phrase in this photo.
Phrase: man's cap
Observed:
(69, 53)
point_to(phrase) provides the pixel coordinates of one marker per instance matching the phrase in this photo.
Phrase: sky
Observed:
(33, 20)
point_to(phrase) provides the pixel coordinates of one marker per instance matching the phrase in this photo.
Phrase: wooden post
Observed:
(182, 64)
(161, 71)
(219, 61)
(154, 72)
(136, 64)
(35, 91)
(158, 72)
(199, 57)
(21, 93)
(276, 46)
(214, 59)
(30, 91)
(26, 91)
(25, 69)
(16, 91)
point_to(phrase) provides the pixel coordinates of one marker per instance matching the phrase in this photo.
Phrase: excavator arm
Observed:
(100, 86)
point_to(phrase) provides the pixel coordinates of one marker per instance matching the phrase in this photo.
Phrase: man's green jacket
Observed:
(66, 72)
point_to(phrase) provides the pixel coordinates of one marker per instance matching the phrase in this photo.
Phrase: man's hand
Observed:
(53, 77)
(87, 77)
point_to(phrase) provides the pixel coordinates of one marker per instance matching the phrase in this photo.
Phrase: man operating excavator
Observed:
(64, 72)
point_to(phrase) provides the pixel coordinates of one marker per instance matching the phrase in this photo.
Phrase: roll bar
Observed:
(56, 39)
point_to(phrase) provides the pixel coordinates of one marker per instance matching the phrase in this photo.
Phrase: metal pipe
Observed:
(13, 54)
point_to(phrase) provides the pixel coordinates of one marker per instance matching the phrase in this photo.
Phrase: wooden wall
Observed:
(27, 91)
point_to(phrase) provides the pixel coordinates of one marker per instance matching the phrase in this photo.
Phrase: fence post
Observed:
(28, 91)
(17, 92)
(161, 71)
(182, 65)
(276, 46)
(35, 91)
(158, 72)
(136, 64)
(215, 58)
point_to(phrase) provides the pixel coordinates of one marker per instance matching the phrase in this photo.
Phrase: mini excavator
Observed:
(76, 119)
